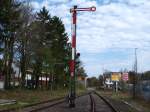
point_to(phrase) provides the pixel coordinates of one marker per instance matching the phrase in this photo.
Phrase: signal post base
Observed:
(71, 100)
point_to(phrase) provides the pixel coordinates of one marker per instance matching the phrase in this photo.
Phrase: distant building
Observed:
(82, 80)
(1, 81)
(108, 82)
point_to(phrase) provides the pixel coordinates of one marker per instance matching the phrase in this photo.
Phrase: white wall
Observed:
(1, 85)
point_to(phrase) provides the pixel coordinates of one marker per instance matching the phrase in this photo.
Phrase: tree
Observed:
(146, 75)
(33, 41)
(9, 21)
(40, 31)
(101, 80)
(81, 71)
(132, 77)
(23, 38)
(93, 82)
(59, 46)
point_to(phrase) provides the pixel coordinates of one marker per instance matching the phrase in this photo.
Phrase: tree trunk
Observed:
(23, 64)
(11, 54)
(41, 82)
(37, 81)
(5, 64)
(46, 82)
(8, 60)
(37, 71)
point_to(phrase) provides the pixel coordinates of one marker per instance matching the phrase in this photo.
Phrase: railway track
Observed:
(47, 105)
(91, 102)
(36, 106)
(100, 104)
(107, 102)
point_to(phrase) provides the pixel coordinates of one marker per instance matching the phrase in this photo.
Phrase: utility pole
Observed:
(135, 65)
(72, 93)
(135, 74)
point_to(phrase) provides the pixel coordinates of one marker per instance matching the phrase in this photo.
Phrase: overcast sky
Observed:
(106, 38)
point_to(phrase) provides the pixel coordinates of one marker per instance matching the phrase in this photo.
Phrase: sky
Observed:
(107, 38)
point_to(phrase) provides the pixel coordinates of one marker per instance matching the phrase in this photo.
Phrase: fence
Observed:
(143, 89)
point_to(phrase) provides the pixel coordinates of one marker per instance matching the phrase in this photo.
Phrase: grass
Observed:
(139, 103)
(121, 96)
(26, 97)
(116, 95)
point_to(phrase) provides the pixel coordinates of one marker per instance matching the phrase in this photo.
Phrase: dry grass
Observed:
(31, 95)
(140, 103)
(27, 97)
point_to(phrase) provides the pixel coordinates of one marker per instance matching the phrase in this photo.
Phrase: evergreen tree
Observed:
(39, 36)
(40, 43)
(59, 47)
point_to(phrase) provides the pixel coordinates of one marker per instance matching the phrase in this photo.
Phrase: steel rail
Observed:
(54, 104)
(48, 106)
(36, 107)
(30, 105)
(107, 102)
(92, 103)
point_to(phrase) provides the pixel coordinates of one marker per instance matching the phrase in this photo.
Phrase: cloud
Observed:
(117, 24)
(36, 5)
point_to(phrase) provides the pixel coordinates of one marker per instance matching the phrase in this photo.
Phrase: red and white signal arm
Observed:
(125, 76)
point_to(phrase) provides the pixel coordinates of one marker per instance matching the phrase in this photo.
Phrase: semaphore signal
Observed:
(72, 93)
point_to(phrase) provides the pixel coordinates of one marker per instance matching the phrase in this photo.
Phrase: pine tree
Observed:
(51, 47)
(59, 47)
(39, 35)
